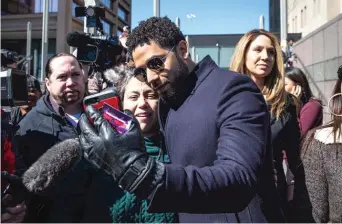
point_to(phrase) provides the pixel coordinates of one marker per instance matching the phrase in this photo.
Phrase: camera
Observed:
(95, 48)
(13, 81)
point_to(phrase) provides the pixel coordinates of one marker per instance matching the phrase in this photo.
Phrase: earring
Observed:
(338, 115)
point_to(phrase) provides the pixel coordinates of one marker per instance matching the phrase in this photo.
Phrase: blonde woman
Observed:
(259, 56)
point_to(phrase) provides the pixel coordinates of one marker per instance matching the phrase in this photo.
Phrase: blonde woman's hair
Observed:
(274, 88)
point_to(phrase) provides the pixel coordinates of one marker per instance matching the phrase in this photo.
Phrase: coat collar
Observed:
(192, 82)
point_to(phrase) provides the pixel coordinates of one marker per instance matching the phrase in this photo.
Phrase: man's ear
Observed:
(47, 84)
(183, 49)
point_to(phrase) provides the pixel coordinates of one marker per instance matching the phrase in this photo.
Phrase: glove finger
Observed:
(102, 126)
(86, 128)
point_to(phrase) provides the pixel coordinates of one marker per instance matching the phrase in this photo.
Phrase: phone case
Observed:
(119, 120)
(109, 96)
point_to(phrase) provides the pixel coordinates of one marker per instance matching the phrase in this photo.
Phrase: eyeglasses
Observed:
(155, 63)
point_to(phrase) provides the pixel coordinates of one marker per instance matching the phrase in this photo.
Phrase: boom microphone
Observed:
(76, 39)
(52, 166)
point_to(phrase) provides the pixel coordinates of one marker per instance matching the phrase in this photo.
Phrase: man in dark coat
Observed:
(54, 119)
(216, 128)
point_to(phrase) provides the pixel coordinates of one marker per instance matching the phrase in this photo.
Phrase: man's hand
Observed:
(121, 155)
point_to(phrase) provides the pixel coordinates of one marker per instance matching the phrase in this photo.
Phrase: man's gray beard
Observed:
(176, 85)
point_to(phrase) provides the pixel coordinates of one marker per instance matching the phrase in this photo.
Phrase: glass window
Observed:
(39, 6)
(106, 27)
(16, 7)
(122, 14)
(107, 3)
(221, 55)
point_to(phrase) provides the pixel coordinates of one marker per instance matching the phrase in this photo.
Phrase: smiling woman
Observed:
(142, 100)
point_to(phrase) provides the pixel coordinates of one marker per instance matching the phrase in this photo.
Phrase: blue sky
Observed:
(212, 16)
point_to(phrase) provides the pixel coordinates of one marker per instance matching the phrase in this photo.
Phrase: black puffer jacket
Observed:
(41, 128)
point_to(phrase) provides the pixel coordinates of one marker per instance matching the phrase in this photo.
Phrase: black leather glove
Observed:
(121, 155)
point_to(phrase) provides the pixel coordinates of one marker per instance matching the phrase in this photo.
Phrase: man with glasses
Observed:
(216, 129)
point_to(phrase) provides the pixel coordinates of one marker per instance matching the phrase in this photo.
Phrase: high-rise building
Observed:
(274, 16)
(305, 16)
(15, 14)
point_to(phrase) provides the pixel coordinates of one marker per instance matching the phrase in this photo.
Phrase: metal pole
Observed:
(35, 63)
(262, 22)
(156, 8)
(196, 58)
(218, 54)
(193, 53)
(283, 25)
(45, 38)
(28, 47)
(178, 22)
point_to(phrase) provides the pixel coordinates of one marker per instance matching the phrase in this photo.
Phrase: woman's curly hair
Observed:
(161, 30)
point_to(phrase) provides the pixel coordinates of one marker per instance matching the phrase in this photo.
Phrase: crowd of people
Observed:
(205, 144)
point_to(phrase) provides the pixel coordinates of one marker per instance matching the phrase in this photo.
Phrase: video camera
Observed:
(95, 48)
(13, 81)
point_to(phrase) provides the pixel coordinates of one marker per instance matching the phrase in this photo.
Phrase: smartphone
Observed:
(109, 96)
(119, 120)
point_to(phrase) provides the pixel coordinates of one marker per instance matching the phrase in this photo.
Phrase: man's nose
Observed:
(70, 81)
(152, 77)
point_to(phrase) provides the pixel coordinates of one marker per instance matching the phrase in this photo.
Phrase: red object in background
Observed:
(8, 159)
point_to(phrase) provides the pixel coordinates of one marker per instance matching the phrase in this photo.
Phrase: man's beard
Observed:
(181, 73)
(64, 101)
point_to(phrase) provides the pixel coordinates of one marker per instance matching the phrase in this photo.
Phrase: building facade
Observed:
(319, 54)
(305, 16)
(16, 14)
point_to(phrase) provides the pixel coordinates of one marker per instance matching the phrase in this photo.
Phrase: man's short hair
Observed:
(48, 70)
(158, 29)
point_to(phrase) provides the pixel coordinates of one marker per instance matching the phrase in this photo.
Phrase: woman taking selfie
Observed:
(311, 110)
(259, 56)
(139, 98)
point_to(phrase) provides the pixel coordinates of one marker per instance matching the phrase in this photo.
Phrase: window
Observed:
(301, 18)
(106, 27)
(39, 6)
(304, 22)
(107, 3)
(318, 5)
(122, 14)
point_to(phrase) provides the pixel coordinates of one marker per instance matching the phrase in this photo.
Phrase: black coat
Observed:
(285, 137)
(217, 135)
(42, 128)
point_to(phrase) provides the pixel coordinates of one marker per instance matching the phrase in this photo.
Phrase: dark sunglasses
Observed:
(155, 63)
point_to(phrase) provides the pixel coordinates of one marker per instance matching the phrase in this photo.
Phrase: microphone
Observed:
(52, 166)
(76, 39)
